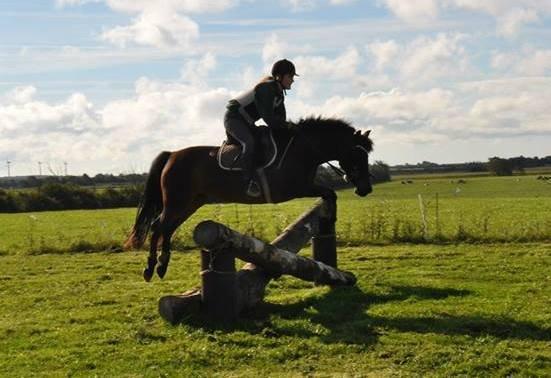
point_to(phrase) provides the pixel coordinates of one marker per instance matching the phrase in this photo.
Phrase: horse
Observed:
(181, 182)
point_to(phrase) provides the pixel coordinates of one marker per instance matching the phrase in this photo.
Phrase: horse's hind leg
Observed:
(169, 224)
(152, 259)
(167, 232)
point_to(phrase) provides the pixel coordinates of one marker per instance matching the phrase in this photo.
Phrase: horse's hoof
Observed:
(147, 274)
(161, 270)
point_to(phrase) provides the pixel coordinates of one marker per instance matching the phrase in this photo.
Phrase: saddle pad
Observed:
(229, 155)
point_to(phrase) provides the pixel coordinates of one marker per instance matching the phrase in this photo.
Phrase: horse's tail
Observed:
(150, 205)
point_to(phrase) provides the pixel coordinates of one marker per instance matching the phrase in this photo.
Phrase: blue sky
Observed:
(106, 84)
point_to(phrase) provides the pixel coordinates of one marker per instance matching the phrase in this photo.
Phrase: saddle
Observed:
(266, 151)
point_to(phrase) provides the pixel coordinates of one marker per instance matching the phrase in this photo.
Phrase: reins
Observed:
(338, 171)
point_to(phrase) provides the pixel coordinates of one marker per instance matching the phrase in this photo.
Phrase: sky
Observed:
(105, 85)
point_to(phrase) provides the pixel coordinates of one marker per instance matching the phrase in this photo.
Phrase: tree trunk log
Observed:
(219, 239)
(251, 279)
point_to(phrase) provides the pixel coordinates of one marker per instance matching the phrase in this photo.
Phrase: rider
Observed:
(266, 101)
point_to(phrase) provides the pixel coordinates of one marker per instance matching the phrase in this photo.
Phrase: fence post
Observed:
(324, 242)
(219, 285)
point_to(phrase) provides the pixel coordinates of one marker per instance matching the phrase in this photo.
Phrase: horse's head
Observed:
(337, 139)
(355, 162)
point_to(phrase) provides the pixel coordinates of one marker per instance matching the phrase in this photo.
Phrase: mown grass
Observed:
(440, 307)
(418, 310)
(433, 210)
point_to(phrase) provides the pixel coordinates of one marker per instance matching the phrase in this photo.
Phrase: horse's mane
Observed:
(324, 124)
(329, 125)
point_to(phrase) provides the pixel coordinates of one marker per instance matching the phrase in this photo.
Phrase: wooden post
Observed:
(219, 285)
(324, 245)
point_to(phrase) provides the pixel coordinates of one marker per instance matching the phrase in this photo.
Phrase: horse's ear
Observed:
(358, 132)
(366, 133)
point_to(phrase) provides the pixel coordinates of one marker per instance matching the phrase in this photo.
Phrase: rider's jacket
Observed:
(265, 101)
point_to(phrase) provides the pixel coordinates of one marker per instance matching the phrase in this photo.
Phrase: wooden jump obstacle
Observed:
(226, 293)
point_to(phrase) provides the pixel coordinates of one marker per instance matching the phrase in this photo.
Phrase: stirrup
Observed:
(253, 190)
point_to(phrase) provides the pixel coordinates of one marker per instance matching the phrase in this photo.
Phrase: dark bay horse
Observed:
(182, 181)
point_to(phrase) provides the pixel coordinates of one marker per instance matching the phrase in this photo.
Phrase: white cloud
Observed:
(307, 5)
(173, 115)
(393, 105)
(34, 130)
(432, 58)
(535, 64)
(510, 23)
(320, 67)
(300, 5)
(159, 116)
(274, 49)
(137, 6)
(416, 12)
(63, 3)
(160, 28)
(528, 62)
(502, 61)
(384, 52)
(196, 71)
(423, 61)
(21, 94)
(341, 2)
(249, 77)
(510, 15)
(159, 24)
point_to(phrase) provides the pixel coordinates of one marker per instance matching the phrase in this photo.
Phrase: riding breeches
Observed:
(240, 130)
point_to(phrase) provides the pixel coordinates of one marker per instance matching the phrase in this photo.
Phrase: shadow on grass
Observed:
(343, 312)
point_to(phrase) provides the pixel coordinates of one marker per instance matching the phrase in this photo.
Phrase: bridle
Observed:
(354, 174)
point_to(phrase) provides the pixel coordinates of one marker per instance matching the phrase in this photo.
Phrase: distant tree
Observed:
(380, 172)
(500, 167)
(476, 166)
(7, 202)
(425, 163)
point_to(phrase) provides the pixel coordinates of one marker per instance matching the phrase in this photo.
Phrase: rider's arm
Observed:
(265, 95)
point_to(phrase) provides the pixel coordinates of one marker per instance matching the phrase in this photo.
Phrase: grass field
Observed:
(417, 310)
(461, 288)
(488, 209)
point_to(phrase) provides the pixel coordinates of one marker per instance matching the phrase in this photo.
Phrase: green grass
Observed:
(420, 310)
(489, 209)
(470, 296)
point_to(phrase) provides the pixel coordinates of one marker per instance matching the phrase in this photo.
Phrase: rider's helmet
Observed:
(283, 67)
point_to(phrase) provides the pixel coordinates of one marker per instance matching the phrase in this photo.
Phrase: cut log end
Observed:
(173, 308)
(207, 234)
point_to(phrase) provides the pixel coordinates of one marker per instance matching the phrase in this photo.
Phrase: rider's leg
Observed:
(240, 131)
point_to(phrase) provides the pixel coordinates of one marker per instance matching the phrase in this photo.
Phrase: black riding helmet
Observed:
(283, 67)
